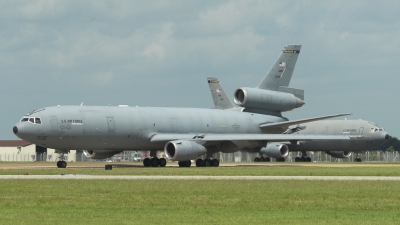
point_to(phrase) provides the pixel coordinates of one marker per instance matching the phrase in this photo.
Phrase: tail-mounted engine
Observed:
(266, 99)
(183, 150)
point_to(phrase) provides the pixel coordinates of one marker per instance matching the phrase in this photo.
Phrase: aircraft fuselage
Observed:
(130, 128)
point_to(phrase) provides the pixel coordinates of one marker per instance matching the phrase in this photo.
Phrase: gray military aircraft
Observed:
(277, 80)
(183, 133)
(363, 134)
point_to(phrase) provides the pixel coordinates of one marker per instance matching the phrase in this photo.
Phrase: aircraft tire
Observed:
(162, 162)
(297, 159)
(256, 159)
(215, 162)
(146, 162)
(61, 164)
(262, 159)
(268, 159)
(207, 163)
(154, 162)
(199, 163)
(187, 163)
(308, 159)
(108, 167)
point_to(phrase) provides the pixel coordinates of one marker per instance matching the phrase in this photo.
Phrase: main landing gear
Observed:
(358, 157)
(303, 158)
(200, 163)
(207, 162)
(154, 162)
(61, 163)
(262, 159)
(185, 163)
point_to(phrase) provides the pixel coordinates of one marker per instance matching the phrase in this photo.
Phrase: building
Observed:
(23, 151)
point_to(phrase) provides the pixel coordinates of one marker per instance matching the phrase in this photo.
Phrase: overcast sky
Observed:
(159, 53)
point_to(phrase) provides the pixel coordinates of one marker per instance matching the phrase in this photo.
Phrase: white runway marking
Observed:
(102, 177)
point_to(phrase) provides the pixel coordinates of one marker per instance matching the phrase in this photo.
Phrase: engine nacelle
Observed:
(275, 150)
(183, 150)
(99, 154)
(339, 154)
(266, 99)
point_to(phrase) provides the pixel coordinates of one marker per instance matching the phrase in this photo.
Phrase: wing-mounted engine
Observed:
(99, 154)
(266, 99)
(275, 150)
(339, 154)
(183, 150)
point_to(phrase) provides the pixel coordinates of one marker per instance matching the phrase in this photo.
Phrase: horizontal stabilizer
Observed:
(295, 122)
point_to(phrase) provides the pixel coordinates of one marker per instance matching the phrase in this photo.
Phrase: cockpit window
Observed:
(35, 120)
(375, 129)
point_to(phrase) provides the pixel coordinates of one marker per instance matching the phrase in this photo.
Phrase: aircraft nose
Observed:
(15, 129)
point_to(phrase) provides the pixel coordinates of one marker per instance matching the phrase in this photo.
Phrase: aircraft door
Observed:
(361, 131)
(364, 138)
(111, 124)
(54, 123)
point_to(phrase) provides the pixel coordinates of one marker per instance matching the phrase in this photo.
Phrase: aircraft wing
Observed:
(245, 137)
(295, 122)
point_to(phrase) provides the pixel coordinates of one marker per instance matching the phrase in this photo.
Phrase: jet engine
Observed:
(339, 154)
(266, 99)
(99, 154)
(183, 150)
(275, 150)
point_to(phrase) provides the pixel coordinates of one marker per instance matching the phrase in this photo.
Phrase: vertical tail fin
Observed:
(282, 70)
(221, 100)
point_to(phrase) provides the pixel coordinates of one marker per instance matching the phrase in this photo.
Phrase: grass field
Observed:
(202, 201)
(198, 202)
(287, 169)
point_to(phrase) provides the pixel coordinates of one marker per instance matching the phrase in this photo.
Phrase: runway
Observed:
(111, 177)
(17, 165)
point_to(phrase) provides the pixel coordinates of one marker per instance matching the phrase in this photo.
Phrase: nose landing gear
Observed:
(61, 163)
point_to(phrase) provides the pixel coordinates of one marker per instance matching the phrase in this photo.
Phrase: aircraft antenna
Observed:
(82, 104)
